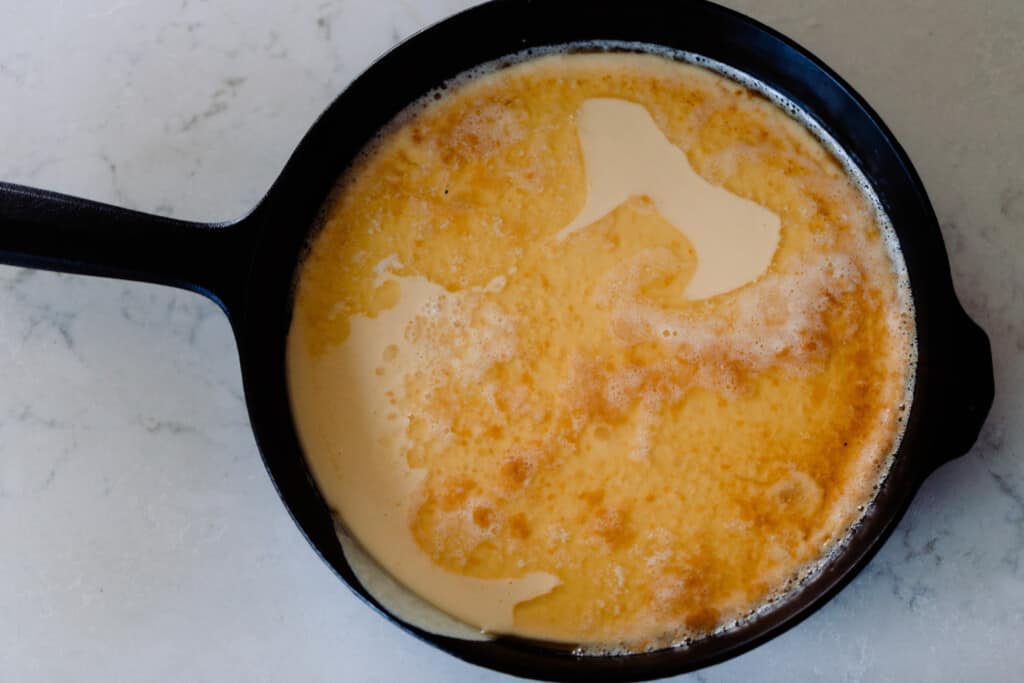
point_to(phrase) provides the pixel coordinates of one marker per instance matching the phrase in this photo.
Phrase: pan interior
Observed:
(851, 171)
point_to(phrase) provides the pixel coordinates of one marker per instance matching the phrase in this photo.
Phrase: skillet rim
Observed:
(312, 172)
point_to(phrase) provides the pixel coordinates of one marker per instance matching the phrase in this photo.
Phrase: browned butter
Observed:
(601, 349)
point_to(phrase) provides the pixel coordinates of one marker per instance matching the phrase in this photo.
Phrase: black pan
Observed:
(248, 267)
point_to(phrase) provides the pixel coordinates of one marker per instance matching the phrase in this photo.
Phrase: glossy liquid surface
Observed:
(532, 421)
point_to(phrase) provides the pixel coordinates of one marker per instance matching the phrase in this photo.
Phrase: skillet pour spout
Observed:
(248, 268)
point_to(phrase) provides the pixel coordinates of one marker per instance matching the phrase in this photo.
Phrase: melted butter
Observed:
(492, 411)
(626, 155)
(398, 599)
(353, 438)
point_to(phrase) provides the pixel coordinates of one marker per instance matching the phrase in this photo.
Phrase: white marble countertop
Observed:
(142, 540)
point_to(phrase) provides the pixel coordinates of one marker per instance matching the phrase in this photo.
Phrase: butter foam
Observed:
(554, 382)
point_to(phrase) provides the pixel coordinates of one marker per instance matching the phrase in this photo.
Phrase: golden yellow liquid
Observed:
(568, 412)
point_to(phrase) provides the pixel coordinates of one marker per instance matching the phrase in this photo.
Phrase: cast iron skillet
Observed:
(248, 266)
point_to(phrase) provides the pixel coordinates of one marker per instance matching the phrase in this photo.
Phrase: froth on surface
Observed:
(674, 463)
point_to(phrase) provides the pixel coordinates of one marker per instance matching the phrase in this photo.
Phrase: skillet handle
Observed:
(970, 387)
(51, 231)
